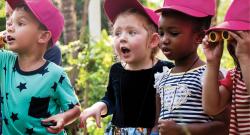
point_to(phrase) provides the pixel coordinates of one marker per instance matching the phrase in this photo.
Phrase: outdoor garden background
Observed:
(87, 52)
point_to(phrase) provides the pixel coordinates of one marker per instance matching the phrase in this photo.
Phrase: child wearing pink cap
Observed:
(52, 54)
(234, 90)
(181, 30)
(130, 94)
(36, 95)
(8, 12)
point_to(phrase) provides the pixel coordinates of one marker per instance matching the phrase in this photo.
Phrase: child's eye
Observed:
(7, 16)
(117, 33)
(20, 24)
(132, 33)
(174, 33)
(161, 33)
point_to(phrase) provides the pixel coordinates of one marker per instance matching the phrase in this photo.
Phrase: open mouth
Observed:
(10, 38)
(165, 49)
(125, 50)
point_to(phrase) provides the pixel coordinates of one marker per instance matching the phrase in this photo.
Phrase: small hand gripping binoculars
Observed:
(216, 36)
(2, 39)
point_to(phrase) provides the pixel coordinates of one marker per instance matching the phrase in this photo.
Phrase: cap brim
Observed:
(184, 10)
(32, 5)
(114, 7)
(14, 3)
(231, 25)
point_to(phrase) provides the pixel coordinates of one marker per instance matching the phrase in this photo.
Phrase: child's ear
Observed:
(155, 40)
(44, 37)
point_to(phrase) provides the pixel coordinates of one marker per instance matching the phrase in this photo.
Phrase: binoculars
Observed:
(216, 36)
(2, 40)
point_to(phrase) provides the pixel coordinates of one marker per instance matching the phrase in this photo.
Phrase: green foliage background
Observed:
(93, 63)
(2, 16)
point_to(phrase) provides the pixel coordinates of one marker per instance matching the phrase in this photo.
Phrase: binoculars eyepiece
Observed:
(216, 36)
(2, 40)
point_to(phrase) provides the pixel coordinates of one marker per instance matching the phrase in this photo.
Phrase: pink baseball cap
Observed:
(46, 13)
(196, 8)
(237, 17)
(114, 7)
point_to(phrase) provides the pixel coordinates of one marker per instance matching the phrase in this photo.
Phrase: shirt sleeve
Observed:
(109, 98)
(7, 59)
(227, 81)
(169, 64)
(65, 93)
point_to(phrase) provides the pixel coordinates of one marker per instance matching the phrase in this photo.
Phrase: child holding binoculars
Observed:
(234, 90)
(215, 36)
(2, 40)
(179, 89)
(8, 12)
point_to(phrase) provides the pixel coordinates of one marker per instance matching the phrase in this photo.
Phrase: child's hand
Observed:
(169, 127)
(212, 51)
(58, 119)
(242, 48)
(90, 112)
(2, 38)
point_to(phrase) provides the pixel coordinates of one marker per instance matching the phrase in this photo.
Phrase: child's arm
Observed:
(214, 97)
(2, 39)
(62, 119)
(210, 128)
(103, 107)
(169, 127)
(96, 111)
(158, 109)
(242, 52)
(217, 127)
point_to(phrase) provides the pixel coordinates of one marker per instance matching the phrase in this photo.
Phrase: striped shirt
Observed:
(240, 105)
(181, 95)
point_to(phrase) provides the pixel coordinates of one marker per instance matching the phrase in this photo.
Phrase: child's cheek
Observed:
(232, 42)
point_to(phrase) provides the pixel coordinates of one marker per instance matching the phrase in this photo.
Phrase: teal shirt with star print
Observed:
(28, 97)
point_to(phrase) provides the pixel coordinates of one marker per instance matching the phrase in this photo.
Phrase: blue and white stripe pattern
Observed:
(181, 95)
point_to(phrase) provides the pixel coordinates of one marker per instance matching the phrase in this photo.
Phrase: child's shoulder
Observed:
(116, 66)
(7, 53)
(197, 71)
(55, 69)
(200, 68)
(234, 71)
(162, 63)
(7, 57)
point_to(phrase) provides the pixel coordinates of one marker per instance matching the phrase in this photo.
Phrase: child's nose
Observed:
(9, 26)
(123, 38)
(165, 39)
(8, 23)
